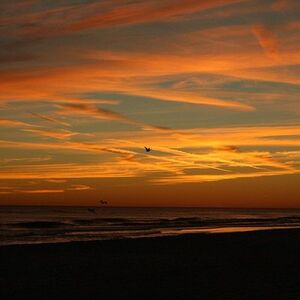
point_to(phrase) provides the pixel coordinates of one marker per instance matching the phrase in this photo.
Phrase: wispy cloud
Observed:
(210, 178)
(79, 187)
(267, 39)
(42, 191)
(52, 180)
(189, 97)
(88, 110)
(57, 134)
(25, 159)
(99, 113)
(150, 11)
(48, 22)
(282, 5)
(14, 123)
(51, 119)
(210, 149)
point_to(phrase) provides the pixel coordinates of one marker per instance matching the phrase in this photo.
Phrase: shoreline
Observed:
(183, 232)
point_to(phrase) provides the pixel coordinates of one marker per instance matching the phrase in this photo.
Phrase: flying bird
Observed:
(103, 202)
(147, 149)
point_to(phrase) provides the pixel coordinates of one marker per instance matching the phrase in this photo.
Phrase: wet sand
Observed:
(248, 265)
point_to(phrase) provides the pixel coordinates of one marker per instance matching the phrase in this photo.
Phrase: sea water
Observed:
(29, 225)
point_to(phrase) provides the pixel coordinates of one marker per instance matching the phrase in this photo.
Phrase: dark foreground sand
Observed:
(253, 265)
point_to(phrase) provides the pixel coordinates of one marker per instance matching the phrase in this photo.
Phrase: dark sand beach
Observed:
(250, 265)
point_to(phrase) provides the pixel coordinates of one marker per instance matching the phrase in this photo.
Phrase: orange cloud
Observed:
(125, 73)
(41, 191)
(267, 39)
(79, 187)
(173, 95)
(103, 114)
(93, 111)
(209, 178)
(208, 151)
(52, 180)
(14, 123)
(25, 159)
(57, 134)
(48, 22)
(282, 5)
(51, 119)
(146, 12)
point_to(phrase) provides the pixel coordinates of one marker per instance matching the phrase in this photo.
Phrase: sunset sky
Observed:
(212, 86)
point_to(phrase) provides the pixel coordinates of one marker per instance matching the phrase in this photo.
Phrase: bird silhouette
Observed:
(103, 202)
(147, 149)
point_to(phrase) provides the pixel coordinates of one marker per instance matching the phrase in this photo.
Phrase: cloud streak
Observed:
(103, 114)
(48, 22)
(14, 123)
(57, 134)
(267, 39)
(51, 119)
(209, 155)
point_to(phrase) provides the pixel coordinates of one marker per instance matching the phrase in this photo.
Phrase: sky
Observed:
(211, 86)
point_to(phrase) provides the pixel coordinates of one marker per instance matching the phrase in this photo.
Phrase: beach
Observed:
(247, 265)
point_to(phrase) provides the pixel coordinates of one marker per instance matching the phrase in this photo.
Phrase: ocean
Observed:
(31, 225)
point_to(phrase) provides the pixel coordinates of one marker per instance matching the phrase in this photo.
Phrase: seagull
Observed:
(103, 202)
(147, 149)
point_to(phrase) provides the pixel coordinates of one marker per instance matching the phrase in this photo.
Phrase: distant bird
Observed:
(103, 202)
(147, 149)
(92, 210)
